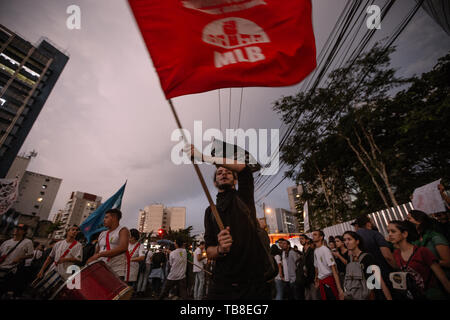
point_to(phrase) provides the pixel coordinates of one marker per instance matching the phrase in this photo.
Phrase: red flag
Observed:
(202, 45)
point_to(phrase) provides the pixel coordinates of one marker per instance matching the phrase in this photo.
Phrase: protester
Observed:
(430, 236)
(64, 254)
(289, 259)
(326, 276)
(13, 253)
(442, 218)
(135, 254)
(177, 274)
(144, 272)
(311, 291)
(199, 275)
(279, 286)
(377, 246)
(358, 265)
(420, 262)
(113, 244)
(89, 248)
(340, 255)
(241, 257)
(157, 271)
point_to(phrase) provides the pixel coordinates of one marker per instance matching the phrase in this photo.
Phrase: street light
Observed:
(268, 210)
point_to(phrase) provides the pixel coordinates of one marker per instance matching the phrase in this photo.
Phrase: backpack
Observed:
(355, 284)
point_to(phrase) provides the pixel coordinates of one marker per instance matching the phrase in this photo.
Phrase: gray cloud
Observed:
(107, 119)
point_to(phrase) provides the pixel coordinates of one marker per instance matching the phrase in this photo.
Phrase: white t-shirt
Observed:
(118, 264)
(23, 249)
(278, 260)
(149, 257)
(323, 260)
(134, 266)
(57, 252)
(178, 262)
(285, 266)
(198, 265)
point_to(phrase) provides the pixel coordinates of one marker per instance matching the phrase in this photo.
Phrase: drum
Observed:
(48, 285)
(97, 282)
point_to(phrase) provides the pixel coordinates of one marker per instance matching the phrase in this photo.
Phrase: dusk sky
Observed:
(107, 120)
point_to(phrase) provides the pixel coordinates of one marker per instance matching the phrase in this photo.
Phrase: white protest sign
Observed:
(428, 199)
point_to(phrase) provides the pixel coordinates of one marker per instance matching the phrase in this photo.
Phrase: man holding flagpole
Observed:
(240, 258)
(113, 244)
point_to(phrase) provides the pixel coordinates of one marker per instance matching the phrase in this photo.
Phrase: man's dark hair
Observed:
(135, 234)
(202, 242)
(179, 242)
(116, 212)
(235, 175)
(275, 251)
(320, 233)
(362, 220)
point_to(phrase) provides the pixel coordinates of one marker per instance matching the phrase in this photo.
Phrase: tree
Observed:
(182, 234)
(357, 146)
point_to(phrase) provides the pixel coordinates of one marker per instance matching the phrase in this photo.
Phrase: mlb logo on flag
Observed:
(202, 45)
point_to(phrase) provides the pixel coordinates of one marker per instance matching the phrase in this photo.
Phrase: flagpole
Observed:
(199, 173)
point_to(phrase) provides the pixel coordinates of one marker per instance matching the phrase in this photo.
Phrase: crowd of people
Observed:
(171, 271)
(411, 263)
(236, 262)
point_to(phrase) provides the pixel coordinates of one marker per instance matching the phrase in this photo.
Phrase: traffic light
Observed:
(161, 233)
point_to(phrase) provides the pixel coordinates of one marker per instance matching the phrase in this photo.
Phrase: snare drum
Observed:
(48, 285)
(97, 282)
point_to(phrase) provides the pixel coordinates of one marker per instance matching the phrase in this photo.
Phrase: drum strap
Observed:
(67, 251)
(129, 255)
(108, 246)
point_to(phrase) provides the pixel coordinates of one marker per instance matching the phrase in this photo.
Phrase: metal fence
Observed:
(380, 218)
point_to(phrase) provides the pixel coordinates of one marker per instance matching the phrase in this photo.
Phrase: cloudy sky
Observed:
(107, 119)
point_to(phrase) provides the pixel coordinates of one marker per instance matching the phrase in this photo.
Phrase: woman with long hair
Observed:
(340, 256)
(430, 236)
(419, 261)
(355, 246)
(279, 286)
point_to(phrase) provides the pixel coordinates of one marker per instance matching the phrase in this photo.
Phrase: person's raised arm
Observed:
(229, 164)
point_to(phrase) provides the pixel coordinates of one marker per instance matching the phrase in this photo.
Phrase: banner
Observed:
(306, 217)
(428, 199)
(9, 192)
(94, 223)
(202, 45)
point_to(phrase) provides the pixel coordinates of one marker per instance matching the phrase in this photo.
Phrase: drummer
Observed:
(136, 253)
(64, 254)
(112, 244)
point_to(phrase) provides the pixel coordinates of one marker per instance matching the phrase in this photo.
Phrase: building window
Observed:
(42, 193)
(36, 207)
(44, 186)
(47, 180)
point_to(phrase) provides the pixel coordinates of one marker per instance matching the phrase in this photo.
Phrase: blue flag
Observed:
(94, 223)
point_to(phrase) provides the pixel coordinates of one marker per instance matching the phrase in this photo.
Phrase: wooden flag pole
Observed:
(199, 173)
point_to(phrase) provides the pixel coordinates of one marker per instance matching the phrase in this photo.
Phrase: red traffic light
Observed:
(160, 231)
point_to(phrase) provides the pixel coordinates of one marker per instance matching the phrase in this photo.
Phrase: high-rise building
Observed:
(294, 194)
(37, 193)
(156, 216)
(27, 76)
(78, 208)
(282, 221)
